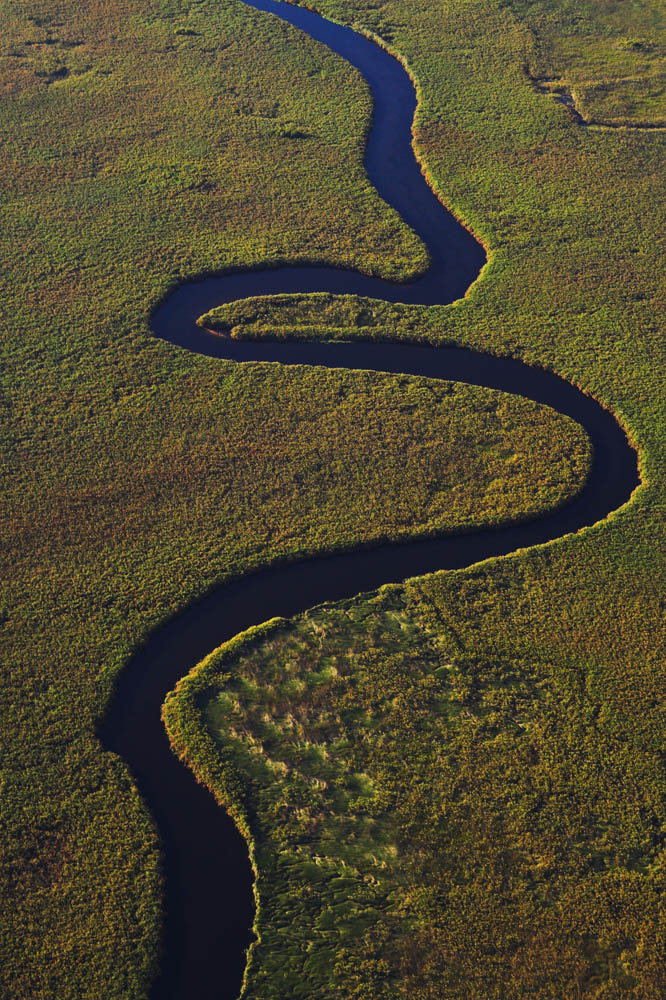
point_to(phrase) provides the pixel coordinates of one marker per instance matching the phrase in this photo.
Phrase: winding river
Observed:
(209, 906)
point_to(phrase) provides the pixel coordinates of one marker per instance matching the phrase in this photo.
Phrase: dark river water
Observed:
(209, 906)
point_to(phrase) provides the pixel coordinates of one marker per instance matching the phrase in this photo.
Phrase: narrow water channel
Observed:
(208, 903)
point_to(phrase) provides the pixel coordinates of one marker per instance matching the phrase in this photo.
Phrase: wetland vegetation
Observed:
(431, 817)
(611, 55)
(147, 142)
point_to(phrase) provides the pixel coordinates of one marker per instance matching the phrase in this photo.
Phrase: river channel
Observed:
(209, 905)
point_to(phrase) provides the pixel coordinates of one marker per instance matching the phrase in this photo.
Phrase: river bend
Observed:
(208, 905)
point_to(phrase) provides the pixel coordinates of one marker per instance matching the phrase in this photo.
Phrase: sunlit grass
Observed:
(429, 815)
(142, 144)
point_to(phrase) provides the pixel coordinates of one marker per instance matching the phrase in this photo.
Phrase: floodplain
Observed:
(144, 144)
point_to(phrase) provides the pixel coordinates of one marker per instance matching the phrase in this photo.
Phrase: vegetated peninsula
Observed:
(457, 786)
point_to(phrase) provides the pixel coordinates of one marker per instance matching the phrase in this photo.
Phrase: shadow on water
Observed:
(208, 904)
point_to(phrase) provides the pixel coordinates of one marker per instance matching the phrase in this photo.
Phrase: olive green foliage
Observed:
(144, 142)
(611, 55)
(309, 317)
(429, 818)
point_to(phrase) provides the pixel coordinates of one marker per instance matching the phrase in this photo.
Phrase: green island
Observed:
(468, 769)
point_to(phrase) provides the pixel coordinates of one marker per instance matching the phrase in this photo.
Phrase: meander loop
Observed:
(208, 880)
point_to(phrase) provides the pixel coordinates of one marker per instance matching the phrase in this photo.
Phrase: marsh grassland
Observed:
(429, 818)
(492, 738)
(456, 788)
(611, 55)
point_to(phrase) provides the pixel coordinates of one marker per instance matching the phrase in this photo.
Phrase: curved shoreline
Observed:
(208, 877)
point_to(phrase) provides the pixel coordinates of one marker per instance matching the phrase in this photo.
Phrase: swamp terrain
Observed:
(454, 788)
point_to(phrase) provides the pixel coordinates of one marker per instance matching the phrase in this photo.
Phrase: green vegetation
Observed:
(310, 317)
(456, 788)
(144, 142)
(431, 817)
(610, 54)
